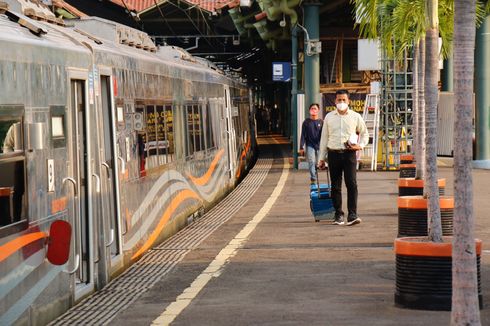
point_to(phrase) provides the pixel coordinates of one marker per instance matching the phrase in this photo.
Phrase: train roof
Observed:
(115, 43)
(29, 40)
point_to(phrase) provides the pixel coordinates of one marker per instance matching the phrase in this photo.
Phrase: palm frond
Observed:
(366, 15)
(446, 26)
(482, 10)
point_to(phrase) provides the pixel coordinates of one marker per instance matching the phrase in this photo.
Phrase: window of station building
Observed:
(13, 206)
(339, 62)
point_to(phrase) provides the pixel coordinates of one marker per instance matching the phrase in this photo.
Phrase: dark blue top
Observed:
(311, 132)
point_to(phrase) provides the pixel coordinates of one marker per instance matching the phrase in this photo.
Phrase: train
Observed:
(126, 141)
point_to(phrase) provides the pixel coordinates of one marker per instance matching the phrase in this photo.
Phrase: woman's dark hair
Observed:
(314, 104)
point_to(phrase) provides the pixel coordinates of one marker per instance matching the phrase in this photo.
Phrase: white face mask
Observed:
(342, 106)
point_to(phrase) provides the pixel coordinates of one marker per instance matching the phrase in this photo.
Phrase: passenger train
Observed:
(125, 141)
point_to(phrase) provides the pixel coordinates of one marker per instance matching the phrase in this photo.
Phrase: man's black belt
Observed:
(337, 150)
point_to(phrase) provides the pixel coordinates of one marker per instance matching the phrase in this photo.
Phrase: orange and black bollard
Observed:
(406, 158)
(412, 215)
(424, 273)
(415, 187)
(407, 170)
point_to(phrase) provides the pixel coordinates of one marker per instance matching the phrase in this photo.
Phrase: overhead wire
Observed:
(192, 22)
(138, 23)
(209, 27)
(163, 17)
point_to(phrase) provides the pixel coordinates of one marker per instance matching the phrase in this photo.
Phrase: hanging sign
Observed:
(281, 71)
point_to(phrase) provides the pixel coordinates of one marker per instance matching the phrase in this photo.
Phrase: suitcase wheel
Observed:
(317, 220)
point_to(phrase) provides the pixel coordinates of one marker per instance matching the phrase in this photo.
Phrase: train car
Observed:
(125, 141)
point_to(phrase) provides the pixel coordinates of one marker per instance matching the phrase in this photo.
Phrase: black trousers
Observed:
(345, 163)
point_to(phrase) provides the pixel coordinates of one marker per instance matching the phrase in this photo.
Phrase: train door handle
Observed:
(112, 239)
(108, 169)
(123, 164)
(97, 185)
(77, 265)
(73, 182)
(125, 226)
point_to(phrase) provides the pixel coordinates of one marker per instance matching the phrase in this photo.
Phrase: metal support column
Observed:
(447, 77)
(312, 60)
(294, 93)
(482, 90)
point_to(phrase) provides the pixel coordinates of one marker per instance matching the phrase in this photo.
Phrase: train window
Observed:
(198, 125)
(156, 136)
(161, 145)
(151, 131)
(140, 127)
(195, 139)
(165, 140)
(190, 130)
(210, 142)
(12, 164)
(58, 126)
(169, 132)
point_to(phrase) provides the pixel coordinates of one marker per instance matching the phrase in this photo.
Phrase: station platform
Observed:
(259, 258)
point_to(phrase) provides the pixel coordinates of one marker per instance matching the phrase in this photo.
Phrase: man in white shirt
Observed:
(344, 132)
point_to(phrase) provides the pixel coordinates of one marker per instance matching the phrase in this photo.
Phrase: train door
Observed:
(230, 132)
(78, 172)
(110, 187)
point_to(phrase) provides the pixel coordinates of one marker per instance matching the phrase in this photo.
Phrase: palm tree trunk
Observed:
(420, 170)
(465, 308)
(415, 105)
(431, 99)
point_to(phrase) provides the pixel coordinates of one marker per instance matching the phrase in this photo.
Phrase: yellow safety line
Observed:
(214, 269)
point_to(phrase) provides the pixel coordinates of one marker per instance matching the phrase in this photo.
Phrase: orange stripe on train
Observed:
(174, 204)
(206, 176)
(242, 157)
(11, 247)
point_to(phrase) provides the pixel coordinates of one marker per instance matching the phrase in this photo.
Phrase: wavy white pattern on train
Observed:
(152, 216)
(207, 193)
(16, 310)
(20, 273)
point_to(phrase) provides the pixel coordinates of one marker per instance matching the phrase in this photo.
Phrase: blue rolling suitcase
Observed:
(321, 204)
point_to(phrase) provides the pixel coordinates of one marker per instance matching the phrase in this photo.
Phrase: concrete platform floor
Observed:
(293, 271)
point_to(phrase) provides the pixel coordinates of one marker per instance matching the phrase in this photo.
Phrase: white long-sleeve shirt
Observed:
(338, 128)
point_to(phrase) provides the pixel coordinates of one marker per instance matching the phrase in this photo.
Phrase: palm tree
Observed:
(417, 26)
(412, 27)
(431, 100)
(420, 98)
(405, 21)
(465, 307)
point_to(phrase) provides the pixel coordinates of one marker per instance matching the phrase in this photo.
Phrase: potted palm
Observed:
(407, 21)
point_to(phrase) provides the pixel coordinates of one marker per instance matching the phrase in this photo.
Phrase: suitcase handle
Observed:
(318, 181)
